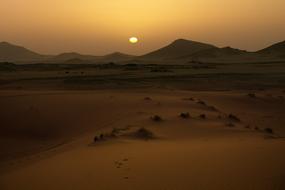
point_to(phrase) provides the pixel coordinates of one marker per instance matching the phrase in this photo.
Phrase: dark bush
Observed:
(144, 133)
(201, 102)
(202, 116)
(111, 63)
(268, 130)
(189, 99)
(147, 99)
(156, 118)
(251, 95)
(233, 118)
(160, 70)
(185, 115)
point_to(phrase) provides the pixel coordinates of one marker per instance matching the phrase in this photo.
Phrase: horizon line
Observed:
(114, 52)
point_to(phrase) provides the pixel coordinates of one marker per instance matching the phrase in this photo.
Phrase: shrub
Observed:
(114, 132)
(268, 130)
(144, 133)
(201, 102)
(160, 70)
(189, 99)
(233, 117)
(156, 118)
(252, 95)
(185, 115)
(147, 99)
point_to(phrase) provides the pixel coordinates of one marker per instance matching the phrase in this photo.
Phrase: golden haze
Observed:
(100, 27)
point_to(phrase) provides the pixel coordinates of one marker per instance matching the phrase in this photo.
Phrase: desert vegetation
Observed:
(185, 115)
(143, 133)
(234, 118)
(251, 95)
(156, 118)
(268, 130)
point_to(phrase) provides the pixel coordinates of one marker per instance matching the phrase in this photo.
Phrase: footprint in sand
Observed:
(120, 164)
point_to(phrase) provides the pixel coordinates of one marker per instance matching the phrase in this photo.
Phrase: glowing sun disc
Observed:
(133, 40)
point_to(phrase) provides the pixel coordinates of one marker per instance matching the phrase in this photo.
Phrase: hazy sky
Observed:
(104, 26)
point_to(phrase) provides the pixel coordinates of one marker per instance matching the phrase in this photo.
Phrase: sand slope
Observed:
(191, 153)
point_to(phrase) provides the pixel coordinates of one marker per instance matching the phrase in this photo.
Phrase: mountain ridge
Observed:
(277, 49)
(10, 52)
(180, 49)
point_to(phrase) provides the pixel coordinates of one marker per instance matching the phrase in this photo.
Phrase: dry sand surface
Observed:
(47, 140)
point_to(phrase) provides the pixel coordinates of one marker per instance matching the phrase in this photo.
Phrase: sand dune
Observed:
(192, 153)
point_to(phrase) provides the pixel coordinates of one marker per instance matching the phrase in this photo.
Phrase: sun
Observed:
(133, 40)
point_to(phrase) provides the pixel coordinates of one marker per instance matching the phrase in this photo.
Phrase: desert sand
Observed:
(142, 95)
(47, 139)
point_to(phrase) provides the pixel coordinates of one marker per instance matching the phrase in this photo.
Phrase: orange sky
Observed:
(101, 27)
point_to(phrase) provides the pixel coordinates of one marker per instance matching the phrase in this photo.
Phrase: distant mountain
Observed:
(79, 58)
(178, 48)
(218, 52)
(225, 53)
(72, 56)
(275, 50)
(18, 54)
(76, 61)
(192, 51)
(12, 53)
(187, 51)
(117, 56)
